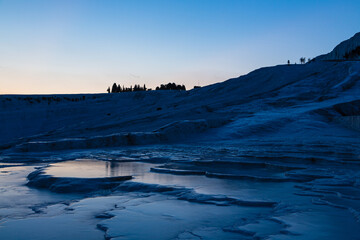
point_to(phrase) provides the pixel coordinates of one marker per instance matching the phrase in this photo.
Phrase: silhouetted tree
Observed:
(114, 88)
(171, 86)
(137, 87)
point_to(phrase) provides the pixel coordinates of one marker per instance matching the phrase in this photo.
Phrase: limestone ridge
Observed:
(348, 50)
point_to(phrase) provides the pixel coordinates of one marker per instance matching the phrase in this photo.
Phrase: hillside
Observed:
(346, 50)
(266, 101)
(273, 154)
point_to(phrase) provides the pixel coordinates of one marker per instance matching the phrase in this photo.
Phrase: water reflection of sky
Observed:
(87, 168)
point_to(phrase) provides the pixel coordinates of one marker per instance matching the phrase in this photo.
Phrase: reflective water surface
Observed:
(89, 168)
(140, 171)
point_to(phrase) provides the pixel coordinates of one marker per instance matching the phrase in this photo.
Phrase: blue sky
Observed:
(83, 46)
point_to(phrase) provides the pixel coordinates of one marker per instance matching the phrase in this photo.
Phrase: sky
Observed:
(83, 46)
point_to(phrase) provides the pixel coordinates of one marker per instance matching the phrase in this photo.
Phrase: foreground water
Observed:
(181, 192)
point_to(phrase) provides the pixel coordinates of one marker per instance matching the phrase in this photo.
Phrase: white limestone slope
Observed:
(273, 154)
(265, 102)
(346, 50)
